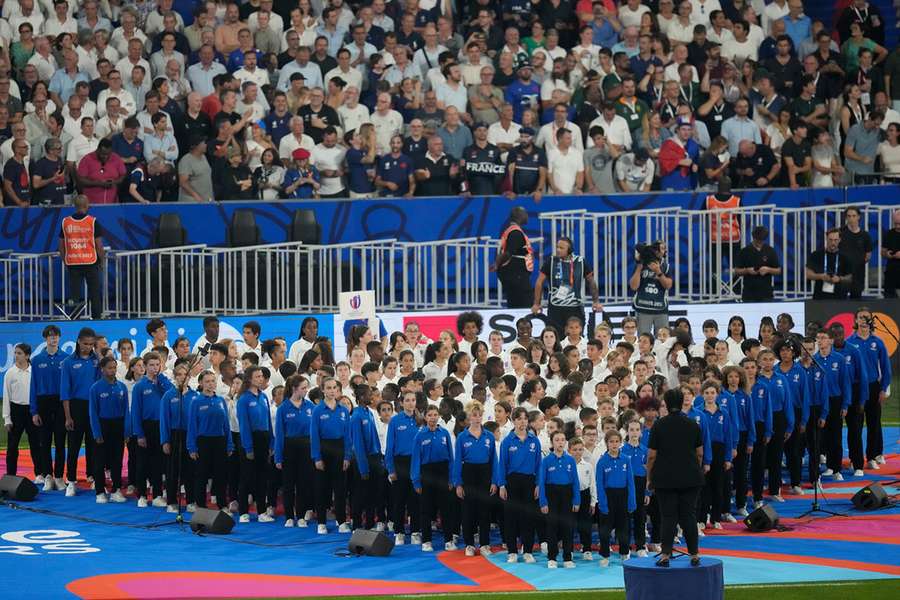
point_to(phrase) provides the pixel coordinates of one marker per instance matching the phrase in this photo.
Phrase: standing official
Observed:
(565, 272)
(81, 249)
(515, 261)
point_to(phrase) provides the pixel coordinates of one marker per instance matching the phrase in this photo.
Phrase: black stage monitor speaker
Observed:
(17, 488)
(370, 543)
(870, 498)
(762, 519)
(206, 520)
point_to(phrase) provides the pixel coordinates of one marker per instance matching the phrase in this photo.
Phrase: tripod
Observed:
(815, 507)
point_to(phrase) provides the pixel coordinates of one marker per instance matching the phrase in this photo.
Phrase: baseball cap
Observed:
(300, 154)
(684, 122)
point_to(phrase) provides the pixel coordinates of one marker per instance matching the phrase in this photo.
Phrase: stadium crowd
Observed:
(158, 100)
(545, 435)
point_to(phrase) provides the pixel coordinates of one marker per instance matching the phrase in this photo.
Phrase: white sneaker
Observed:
(245, 518)
(233, 506)
(129, 489)
(322, 529)
(192, 507)
(118, 497)
(873, 464)
(415, 539)
(399, 539)
(512, 558)
(102, 499)
(828, 472)
(450, 546)
(39, 480)
(49, 484)
(797, 490)
(270, 511)
(390, 526)
(528, 557)
(426, 547)
(302, 523)
(758, 504)
(604, 562)
(717, 525)
(551, 564)
(701, 525)
(858, 473)
(470, 550)
(654, 547)
(345, 528)
(838, 477)
(568, 564)
(308, 516)
(742, 512)
(59, 483)
(880, 459)
(379, 526)
(288, 522)
(642, 553)
(90, 479)
(700, 533)
(142, 502)
(70, 489)
(159, 502)
(171, 508)
(455, 539)
(265, 518)
(729, 517)
(626, 557)
(822, 459)
(587, 556)
(778, 498)
(544, 548)
(485, 551)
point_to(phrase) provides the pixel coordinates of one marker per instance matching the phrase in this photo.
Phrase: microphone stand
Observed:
(178, 455)
(816, 508)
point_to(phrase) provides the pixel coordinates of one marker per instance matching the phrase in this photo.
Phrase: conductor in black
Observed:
(481, 167)
(675, 475)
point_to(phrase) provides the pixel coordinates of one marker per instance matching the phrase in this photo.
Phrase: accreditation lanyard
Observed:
(837, 258)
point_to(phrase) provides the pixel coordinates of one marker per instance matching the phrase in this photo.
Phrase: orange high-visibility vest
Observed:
(529, 253)
(79, 236)
(725, 228)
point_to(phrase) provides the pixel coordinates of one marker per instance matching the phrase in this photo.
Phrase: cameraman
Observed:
(651, 283)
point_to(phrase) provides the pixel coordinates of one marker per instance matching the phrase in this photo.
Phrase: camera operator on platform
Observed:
(651, 283)
(565, 270)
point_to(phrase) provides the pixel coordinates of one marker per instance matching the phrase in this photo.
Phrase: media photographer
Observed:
(651, 284)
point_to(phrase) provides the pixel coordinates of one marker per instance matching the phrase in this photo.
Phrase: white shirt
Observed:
(79, 147)
(106, 127)
(773, 12)
(564, 167)
(546, 137)
(385, 128)
(738, 52)
(591, 60)
(328, 159)
(352, 118)
(617, 131)
(126, 101)
(700, 10)
(298, 349)
(631, 18)
(550, 85)
(681, 33)
(352, 77)
(46, 67)
(289, 143)
(586, 478)
(16, 390)
(258, 76)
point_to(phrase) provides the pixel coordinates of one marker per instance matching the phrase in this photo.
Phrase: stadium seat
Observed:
(243, 230)
(169, 231)
(304, 227)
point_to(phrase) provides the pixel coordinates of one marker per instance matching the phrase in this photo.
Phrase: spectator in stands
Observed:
(829, 269)
(100, 173)
(797, 156)
(756, 264)
(678, 158)
(195, 174)
(890, 251)
(861, 148)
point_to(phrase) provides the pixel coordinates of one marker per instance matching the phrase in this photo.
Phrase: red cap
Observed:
(300, 154)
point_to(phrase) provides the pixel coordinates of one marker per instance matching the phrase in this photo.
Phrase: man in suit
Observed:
(675, 475)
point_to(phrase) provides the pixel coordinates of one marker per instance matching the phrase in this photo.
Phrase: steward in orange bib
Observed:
(725, 228)
(515, 261)
(81, 249)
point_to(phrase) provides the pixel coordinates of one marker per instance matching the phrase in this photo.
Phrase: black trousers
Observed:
(476, 506)
(559, 315)
(52, 434)
(758, 462)
(179, 469)
(874, 435)
(254, 474)
(108, 455)
(20, 414)
(655, 515)
(891, 279)
(854, 420)
(404, 499)
(714, 489)
(80, 433)
(834, 444)
(517, 286)
(774, 451)
(331, 483)
(436, 498)
(366, 492)
(739, 473)
(273, 484)
(233, 468)
(584, 520)
(212, 461)
(149, 461)
(616, 518)
(519, 512)
(677, 508)
(814, 435)
(560, 520)
(639, 516)
(131, 445)
(297, 472)
(90, 274)
(793, 449)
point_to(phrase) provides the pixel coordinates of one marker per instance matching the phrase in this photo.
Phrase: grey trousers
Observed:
(651, 322)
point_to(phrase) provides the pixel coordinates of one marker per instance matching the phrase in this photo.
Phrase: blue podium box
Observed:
(645, 581)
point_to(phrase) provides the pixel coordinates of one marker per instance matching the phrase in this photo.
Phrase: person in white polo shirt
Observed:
(328, 157)
(565, 165)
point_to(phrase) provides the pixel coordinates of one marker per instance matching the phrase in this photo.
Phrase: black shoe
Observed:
(662, 562)
(695, 561)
